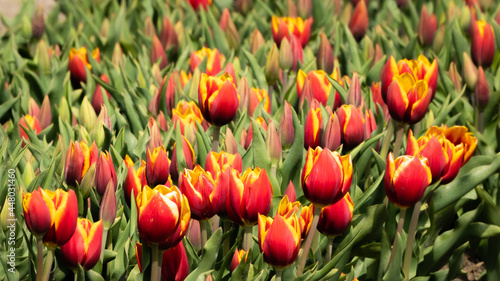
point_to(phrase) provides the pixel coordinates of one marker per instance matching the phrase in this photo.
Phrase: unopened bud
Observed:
(256, 41)
(230, 143)
(304, 8)
(482, 91)
(149, 27)
(117, 56)
(88, 181)
(469, 71)
(286, 56)
(107, 212)
(45, 115)
(43, 57)
(273, 144)
(87, 116)
(38, 22)
(455, 76)
(332, 135)
(286, 129)
(243, 93)
(272, 68)
(325, 54)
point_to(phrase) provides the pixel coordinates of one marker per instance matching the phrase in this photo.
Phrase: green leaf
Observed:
(209, 257)
(291, 167)
(256, 70)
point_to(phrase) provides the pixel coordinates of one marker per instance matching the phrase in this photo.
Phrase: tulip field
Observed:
(241, 140)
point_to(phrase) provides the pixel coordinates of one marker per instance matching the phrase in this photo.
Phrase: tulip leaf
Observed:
(179, 151)
(446, 107)
(209, 257)
(460, 43)
(341, 90)
(220, 38)
(353, 49)
(260, 153)
(394, 270)
(292, 165)
(256, 70)
(368, 193)
(478, 169)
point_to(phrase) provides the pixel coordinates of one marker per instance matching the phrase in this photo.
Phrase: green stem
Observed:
(39, 260)
(103, 243)
(247, 237)
(387, 140)
(285, 81)
(329, 248)
(203, 228)
(400, 130)
(279, 274)
(215, 223)
(479, 120)
(401, 223)
(309, 239)
(48, 264)
(109, 242)
(411, 240)
(75, 274)
(227, 227)
(216, 135)
(155, 265)
(273, 170)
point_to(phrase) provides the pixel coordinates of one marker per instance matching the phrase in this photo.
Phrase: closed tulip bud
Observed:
(28, 123)
(168, 36)
(324, 59)
(292, 9)
(38, 212)
(354, 96)
(43, 57)
(230, 30)
(170, 91)
(78, 160)
(305, 220)
(97, 98)
(290, 192)
(28, 175)
(134, 180)
(406, 179)
(286, 128)
(455, 76)
(157, 166)
(99, 135)
(497, 18)
(107, 212)
(370, 123)
(249, 195)
(377, 98)
(313, 128)
(45, 115)
(230, 142)
(200, 4)
(273, 144)
(285, 56)
(238, 255)
(286, 26)
(38, 23)
(33, 109)
(279, 240)
(297, 52)
(469, 72)
(272, 65)
(256, 97)
(483, 43)
(438, 42)
(175, 264)
(149, 27)
(482, 91)
(243, 93)
(335, 219)
(332, 135)
(206, 195)
(359, 21)
(426, 27)
(87, 116)
(218, 99)
(105, 28)
(407, 99)
(84, 247)
(117, 56)
(304, 9)
(219, 162)
(324, 191)
(155, 135)
(88, 181)
(158, 53)
(189, 157)
(352, 126)
(78, 61)
(64, 111)
(105, 173)
(256, 41)
(247, 135)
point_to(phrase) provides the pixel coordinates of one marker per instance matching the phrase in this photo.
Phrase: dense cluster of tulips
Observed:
(250, 140)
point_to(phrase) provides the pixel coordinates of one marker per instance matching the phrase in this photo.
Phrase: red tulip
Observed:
(97, 98)
(359, 21)
(200, 4)
(286, 130)
(483, 43)
(335, 219)
(305, 220)
(256, 97)
(134, 180)
(219, 162)
(84, 247)
(313, 128)
(79, 158)
(215, 60)
(426, 27)
(175, 264)
(78, 61)
(38, 212)
(218, 99)
(238, 255)
(30, 123)
(283, 27)
(157, 166)
(352, 126)
(105, 173)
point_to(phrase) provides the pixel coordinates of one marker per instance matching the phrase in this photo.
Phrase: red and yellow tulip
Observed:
(359, 21)
(79, 158)
(39, 212)
(286, 130)
(320, 85)
(218, 99)
(483, 43)
(29, 122)
(84, 247)
(174, 264)
(256, 96)
(105, 172)
(135, 180)
(238, 255)
(426, 27)
(218, 162)
(215, 60)
(335, 219)
(78, 61)
(352, 126)
(200, 4)
(185, 115)
(313, 128)
(305, 220)
(283, 27)
(157, 166)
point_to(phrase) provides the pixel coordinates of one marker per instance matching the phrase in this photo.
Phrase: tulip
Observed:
(406, 179)
(352, 126)
(163, 215)
(38, 23)
(320, 85)
(332, 135)
(238, 255)
(84, 247)
(482, 91)
(105, 173)
(170, 91)
(78, 61)
(200, 4)
(38, 212)
(335, 219)
(97, 98)
(313, 128)
(218, 99)
(256, 41)
(215, 60)
(304, 8)
(285, 129)
(483, 43)
(426, 27)
(279, 240)
(326, 176)
(158, 52)
(286, 57)
(455, 77)
(185, 115)
(324, 59)
(227, 25)
(155, 135)
(31, 123)
(287, 208)
(407, 99)
(175, 264)
(256, 96)
(206, 196)
(359, 21)
(297, 52)
(247, 135)
(168, 36)
(157, 166)
(283, 27)
(272, 65)
(135, 180)
(354, 95)
(305, 220)
(249, 195)
(273, 144)
(218, 162)
(377, 99)
(290, 192)
(78, 160)
(469, 71)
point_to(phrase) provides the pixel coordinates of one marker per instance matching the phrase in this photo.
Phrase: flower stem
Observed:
(387, 140)
(309, 239)
(411, 239)
(48, 264)
(398, 231)
(39, 261)
(285, 81)
(215, 223)
(203, 228)
(103, 243)
(279, 273)
(226, 227)
(155, 265)
(216, 135)
(273, 170)
(247, 237)
(329, 248)
(400, 130)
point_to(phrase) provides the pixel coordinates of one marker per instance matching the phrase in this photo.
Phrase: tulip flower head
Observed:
(238, 255)
(157, 166)
(335, 219)
(174, 265)
(79, 158)
(279, 240)
(105, 173)
(305, 219)
(313, 128)
(320, 86)
(28, 122)
(287, 208)
(135, 180)
(185, 115)
(78, 61)
(217, 162)
(326, 176)
(189, 158)
(406, 179)
(200, 4)
(84, 247)
(255, 98)
(359, 21)
(426, 27)
(283, 27)
(215, 60)
(483, 43)
(39, 212)
(218, 99)
(352, 126)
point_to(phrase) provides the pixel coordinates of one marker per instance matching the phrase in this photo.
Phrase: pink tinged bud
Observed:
(243, 92)
(370, 123)
(97, 98)
(256, 41)
(297, 52)
(272, 68)
(38, 23)
(285, 56)
(243, 6)
(149, 27)
(455, 76)
(154, 132)
(426, 27)
(290, 192)
(168, 36)
(107, 212)
(359, 21)
(194, 234)
(483, 43)
(33, 109)
(482, 91)
(273, 144)
(157, 53)
(162, 121)
(189, 157)
(227, 25)
(304, 8)
(324, 58)
(45, 114)
(105, 174)
(104, 117)
(286, 129)
(354, 96)
(332, 135)
(292, 9)
(469, 72)
(231, 145)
